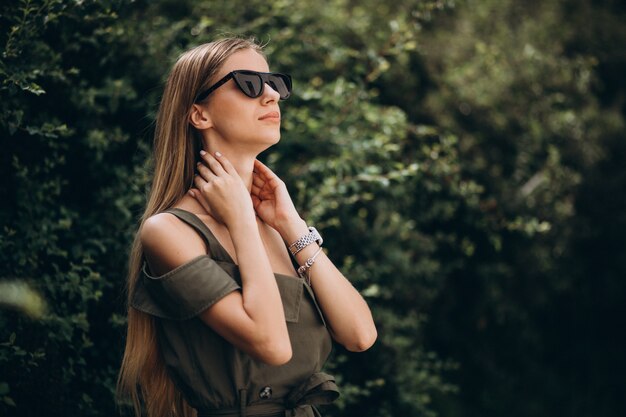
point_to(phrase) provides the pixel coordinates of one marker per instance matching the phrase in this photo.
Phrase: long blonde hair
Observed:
(143, 378)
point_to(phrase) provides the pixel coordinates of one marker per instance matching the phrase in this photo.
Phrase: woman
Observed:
(220, 322)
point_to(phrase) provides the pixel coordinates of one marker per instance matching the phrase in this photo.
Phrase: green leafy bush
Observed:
(446, 152)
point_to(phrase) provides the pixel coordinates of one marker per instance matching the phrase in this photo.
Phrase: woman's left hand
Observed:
(270, 197)
(349, 317)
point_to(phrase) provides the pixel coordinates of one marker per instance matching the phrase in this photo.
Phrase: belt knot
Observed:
(319, 388)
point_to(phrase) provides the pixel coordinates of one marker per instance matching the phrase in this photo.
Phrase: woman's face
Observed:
(237, 119)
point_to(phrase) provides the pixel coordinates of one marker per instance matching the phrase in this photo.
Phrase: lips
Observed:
(273, 115)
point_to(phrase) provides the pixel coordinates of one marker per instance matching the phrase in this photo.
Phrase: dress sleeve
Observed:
(185, 291)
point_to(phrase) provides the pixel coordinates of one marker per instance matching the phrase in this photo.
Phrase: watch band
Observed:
(306, 240)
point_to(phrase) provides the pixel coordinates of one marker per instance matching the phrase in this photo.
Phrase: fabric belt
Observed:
(319, 388)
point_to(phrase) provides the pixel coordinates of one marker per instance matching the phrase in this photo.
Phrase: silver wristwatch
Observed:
(306, 240)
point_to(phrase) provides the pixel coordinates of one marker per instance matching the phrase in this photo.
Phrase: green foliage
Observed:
(445, 151)
(510, 79)
(65, 221)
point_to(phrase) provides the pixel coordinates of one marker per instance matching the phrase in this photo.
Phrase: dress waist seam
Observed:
(253, 410)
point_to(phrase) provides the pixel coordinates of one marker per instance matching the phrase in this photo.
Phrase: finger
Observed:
(269, 177)
(257, 180)
(205, 172)
(263, 194)
(255, 201)
(255, 190)
(260, 170)
(199, 182)
(225, 163)
(272, 183)
(212, 163)
(266, 192)
(263, 169)
(197, 195)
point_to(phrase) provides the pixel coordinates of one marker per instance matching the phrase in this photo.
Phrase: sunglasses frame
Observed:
(264, 76)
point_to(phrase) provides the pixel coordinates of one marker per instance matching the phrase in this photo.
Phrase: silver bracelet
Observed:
(306, 240)
(304, 270)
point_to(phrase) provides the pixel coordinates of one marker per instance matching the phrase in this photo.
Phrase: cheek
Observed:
(232, 120)
(228, 111)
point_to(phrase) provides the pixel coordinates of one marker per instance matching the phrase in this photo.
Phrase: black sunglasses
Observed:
(251, 83)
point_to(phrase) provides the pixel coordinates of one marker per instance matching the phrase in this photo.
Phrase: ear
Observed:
(200, 118)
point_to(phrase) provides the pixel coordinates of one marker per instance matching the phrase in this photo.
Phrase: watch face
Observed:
(316, 235)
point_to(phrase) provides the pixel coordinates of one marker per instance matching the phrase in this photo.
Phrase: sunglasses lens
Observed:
(280, 83)
(250, 84)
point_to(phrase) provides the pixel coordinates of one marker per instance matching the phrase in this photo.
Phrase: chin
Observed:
(264, 138)
(271, 143)
(271, 138)
(276, 139)
(264, 143)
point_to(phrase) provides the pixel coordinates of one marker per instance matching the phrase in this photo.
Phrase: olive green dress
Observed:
(216, 378)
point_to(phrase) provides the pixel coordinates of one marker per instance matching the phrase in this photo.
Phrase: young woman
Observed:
(220, 321)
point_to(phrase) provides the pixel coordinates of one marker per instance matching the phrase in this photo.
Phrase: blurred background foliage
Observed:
(463, 159)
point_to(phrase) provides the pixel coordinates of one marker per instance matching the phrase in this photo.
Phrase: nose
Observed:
(269, 93)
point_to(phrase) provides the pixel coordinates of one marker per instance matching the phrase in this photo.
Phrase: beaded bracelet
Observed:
(304, 270)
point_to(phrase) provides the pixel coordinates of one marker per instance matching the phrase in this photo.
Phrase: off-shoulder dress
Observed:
(216, 378)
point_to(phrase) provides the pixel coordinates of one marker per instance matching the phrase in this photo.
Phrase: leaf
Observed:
(34, 88)
(9, 401)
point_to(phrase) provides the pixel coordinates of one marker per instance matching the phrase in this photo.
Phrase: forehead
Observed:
(246, 59)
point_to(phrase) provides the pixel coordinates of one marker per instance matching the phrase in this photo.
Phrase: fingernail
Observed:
(202, 152)
(191, 193)
(218, 154)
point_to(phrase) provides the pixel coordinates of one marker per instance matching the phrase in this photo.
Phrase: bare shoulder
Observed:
(168, 242)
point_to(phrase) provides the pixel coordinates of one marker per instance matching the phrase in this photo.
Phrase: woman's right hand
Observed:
(221, 191)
